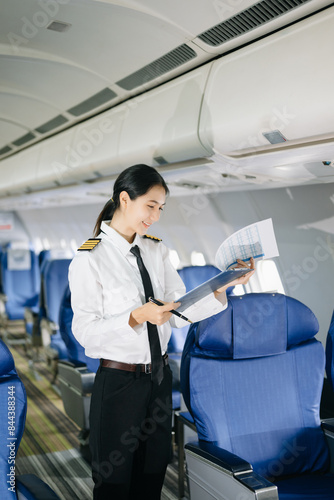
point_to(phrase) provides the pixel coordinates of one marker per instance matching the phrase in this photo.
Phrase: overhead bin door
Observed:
(283, 82)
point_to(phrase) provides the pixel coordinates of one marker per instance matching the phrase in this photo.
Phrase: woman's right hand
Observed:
(157, 315)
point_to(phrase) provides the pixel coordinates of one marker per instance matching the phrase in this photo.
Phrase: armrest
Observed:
(328, 428)
(217, 473)
(30, 314)
(29, 486)
(185, 418)
(219, 456)
(77, 364)
(50, 327)
(328, 425)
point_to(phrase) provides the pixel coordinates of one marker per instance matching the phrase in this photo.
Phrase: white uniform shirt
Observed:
(106, 286)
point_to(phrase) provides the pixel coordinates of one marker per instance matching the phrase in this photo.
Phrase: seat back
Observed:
(55, 275)
(330, 354)
(54, 282)
(20, 281)
(13, 405)
(76, 353)
(252, 378)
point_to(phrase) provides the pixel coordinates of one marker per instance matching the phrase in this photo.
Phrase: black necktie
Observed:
(153, 335)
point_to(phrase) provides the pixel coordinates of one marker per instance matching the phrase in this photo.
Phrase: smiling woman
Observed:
(111, 280)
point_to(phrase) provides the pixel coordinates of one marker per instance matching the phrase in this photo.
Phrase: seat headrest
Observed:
(7, 366)
(256, 324)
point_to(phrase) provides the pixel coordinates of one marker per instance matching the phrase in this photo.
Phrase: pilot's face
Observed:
(142, 212)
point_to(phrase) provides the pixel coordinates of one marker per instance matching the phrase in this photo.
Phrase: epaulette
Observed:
(152, 237)
(90, 244)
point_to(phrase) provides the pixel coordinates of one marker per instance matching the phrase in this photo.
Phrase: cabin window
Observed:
(197, 259)
(266, 278)
(239, 290)
(46, 244)
(73, 245)
(174, 258)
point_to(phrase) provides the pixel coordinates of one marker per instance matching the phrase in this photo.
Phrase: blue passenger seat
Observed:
(330, 354)
(327, 400)
(13, 407)
(252, 377)
(21, 285)
(54, 283)
(76, 376)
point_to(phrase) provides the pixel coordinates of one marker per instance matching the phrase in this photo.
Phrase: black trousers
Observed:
(130, 434)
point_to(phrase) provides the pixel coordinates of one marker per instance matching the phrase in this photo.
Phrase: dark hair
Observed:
(136, 181)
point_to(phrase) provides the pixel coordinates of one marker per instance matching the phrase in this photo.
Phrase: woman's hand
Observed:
(157, 315)
(243, 280)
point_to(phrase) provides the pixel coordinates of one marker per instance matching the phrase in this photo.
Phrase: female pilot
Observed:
(111, 279)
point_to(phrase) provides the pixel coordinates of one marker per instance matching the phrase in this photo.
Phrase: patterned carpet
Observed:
(50, 445)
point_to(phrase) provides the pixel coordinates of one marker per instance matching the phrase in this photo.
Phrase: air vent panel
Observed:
(24, 139)
(52, 124)
(247, 20)
(5, 150)
(159, 67)
(93, 102)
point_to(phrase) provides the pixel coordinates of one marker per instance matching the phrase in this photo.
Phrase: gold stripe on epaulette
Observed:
(90, 244)
(151, 237)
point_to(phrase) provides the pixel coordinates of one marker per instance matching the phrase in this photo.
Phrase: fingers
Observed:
(168, 306)
(242, 263)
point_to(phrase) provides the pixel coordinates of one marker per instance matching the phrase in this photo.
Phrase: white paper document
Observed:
(256, 240)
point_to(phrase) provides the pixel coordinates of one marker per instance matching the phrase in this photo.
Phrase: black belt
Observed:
(131, 367)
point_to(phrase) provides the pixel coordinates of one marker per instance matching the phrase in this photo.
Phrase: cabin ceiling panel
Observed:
(110, 40)
(106, 42)
(59, 84)
(27, 110)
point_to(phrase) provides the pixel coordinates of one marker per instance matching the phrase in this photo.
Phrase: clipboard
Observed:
(210, 286)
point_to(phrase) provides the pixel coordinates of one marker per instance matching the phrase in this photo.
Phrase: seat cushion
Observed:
(310, 487)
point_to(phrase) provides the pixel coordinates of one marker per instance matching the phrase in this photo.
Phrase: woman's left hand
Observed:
(243, 280)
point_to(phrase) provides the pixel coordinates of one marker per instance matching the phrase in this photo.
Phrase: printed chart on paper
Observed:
(256, 240)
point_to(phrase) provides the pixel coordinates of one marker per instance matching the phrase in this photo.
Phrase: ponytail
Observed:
(106, 213)
(136, 181)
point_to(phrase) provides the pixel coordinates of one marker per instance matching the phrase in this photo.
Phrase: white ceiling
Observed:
(44, 73)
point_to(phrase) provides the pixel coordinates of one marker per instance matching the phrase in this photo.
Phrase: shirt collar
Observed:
(121, 243)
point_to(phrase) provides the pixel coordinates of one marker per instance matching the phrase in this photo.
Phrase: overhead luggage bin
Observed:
(281, 83)
(161, 126)
(18, 171)
(94, 151)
